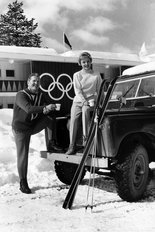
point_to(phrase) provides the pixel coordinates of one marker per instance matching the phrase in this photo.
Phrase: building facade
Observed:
(56, 72)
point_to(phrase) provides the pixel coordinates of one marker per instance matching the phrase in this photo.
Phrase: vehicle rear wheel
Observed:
(66, 171)
(132, 174)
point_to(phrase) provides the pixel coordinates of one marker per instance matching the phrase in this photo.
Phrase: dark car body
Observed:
(132, 118)
(136, 124)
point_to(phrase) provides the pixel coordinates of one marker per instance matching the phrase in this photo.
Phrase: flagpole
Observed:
(63, 41)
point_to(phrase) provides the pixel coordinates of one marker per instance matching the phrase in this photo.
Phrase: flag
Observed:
(143, 54)
(143, 51)
(66, 41)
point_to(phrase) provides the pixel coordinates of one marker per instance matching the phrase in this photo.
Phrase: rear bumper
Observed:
(76, 159)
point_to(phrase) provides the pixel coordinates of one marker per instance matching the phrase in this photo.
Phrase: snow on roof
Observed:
(140, 69)
(49, 54)
(28, 53)
(107, 57)
(27, 50)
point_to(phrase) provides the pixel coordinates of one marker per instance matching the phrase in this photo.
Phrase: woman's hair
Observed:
(83, 55)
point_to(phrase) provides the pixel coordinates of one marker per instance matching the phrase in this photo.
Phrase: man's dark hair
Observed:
(32, 75)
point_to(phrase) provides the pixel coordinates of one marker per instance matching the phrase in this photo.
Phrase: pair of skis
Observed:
(68, 202)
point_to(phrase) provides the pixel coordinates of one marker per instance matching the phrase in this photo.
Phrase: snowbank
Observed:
(42, 210)
(8, 169)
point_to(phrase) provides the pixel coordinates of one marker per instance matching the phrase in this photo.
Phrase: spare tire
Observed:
(66, 171)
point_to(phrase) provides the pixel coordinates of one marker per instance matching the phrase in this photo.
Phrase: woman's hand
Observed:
(85, 103)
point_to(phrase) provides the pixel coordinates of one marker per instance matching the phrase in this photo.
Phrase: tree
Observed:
(16, 29)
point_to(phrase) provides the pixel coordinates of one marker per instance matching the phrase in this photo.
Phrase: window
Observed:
(147, 87)
(10, 73)
(10, 106)
(125, 89)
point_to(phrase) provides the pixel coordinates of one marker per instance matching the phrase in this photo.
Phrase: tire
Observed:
(132, 174)
(66, 171)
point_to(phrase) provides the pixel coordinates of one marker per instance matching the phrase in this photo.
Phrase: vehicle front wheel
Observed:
(132, 173)
(66, 171)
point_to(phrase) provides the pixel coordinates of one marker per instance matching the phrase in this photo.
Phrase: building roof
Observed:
(28, 53)
(49, 54)
(107, 57)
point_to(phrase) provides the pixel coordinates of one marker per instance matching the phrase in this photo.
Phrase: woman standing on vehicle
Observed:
(86, 86)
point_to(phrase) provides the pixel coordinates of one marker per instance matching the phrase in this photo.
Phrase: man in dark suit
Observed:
(31, 114)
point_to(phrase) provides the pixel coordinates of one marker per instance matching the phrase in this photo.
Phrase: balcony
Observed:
(12, 85)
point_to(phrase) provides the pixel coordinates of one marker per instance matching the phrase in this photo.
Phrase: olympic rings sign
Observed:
(59, 85)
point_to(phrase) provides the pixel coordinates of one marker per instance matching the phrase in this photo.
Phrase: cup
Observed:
(91, 102)
(57, 106)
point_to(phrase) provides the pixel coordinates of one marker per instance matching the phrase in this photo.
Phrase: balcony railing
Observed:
(12, 85)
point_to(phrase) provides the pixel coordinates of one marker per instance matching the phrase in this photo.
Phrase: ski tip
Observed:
(65, 205)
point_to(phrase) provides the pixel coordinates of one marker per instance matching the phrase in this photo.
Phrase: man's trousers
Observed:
(22, 140)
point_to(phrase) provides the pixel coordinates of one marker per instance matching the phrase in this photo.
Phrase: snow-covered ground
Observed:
(42, 210)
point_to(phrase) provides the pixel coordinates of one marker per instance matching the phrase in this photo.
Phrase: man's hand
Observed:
(49, 108)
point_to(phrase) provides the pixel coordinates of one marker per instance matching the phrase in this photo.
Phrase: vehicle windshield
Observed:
(125, 89)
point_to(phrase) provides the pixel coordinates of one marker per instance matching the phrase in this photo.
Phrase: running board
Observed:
(76, 159)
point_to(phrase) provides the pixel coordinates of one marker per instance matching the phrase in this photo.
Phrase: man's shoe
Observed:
(80, 150)
(71, 151)
(55, 149)
(52, 147)
(24, 188)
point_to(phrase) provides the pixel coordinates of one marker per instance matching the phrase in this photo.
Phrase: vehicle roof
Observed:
(140, 69)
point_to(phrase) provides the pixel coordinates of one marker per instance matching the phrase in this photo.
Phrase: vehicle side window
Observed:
(147, 87)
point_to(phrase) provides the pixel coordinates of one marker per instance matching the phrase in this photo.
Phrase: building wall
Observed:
(61, 75)
(20, 68)
(7, 100)
(57, 75)
(108, 72)
(10, 84)
(56, 80)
